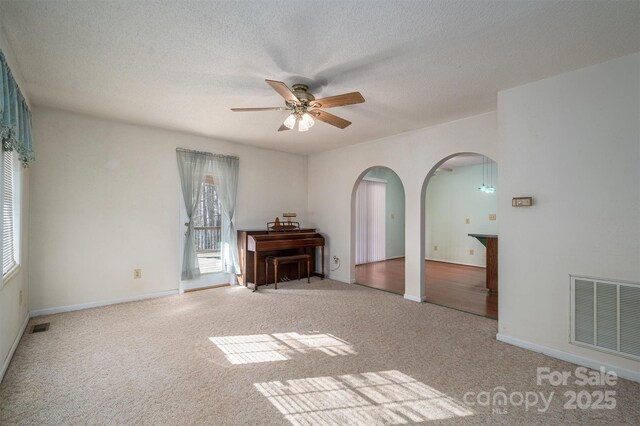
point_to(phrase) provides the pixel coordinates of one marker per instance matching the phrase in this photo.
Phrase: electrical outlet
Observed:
(471, 252)
(137, 274)
(492, 216)
(435, 248)
(467, 221)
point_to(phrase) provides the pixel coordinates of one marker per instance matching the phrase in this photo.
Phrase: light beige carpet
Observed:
(317, 354)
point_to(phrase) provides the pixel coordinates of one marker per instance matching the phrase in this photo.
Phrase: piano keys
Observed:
(254, 246)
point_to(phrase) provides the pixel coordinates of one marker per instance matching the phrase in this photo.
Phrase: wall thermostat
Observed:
(522, 201)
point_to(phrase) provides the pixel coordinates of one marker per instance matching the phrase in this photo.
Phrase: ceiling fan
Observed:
(304, 107)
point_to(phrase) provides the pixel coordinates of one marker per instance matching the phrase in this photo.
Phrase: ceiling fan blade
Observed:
(330, 118)
(283, 128)
(339, 100)
(259, 109)
(283, 90)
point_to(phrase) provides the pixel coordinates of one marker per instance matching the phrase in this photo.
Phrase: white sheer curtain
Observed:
(193, 167)
(225, 172)
(370, 221)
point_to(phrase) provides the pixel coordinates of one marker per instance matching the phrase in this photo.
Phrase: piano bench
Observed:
(278, 260)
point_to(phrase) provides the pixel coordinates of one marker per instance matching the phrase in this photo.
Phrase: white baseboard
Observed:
(455, 263)
(5, 365)
(415, 298)
(207, 281)
(329, 276)
(205, 287)
(68, 308)
(565, 356)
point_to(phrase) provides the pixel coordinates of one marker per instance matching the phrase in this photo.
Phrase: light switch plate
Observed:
(492, 216)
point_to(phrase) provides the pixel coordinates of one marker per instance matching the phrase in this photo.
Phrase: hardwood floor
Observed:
(455, 286)
(387, 275)
(460, 287)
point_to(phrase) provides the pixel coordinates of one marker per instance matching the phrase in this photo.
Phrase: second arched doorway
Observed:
(461, 228)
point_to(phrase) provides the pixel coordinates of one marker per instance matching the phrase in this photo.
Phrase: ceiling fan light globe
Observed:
(307, 120)
(302, 126)
(290, 122)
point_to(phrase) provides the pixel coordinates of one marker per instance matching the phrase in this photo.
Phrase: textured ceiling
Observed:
(183, 64)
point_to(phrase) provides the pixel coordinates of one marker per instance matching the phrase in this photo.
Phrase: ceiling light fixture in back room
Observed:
(303, 107)
(487, 169)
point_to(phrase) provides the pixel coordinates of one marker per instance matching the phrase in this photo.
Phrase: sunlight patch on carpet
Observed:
(382, 398)
(251, 349)
(258, 348)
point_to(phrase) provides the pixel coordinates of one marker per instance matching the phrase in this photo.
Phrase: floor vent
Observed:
(38, 328)
(605, 315)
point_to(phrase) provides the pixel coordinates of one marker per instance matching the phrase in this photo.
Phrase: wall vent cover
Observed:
(605, 315)
(39, 328)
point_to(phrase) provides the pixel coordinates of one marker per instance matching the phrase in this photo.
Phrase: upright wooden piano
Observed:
(254, 246)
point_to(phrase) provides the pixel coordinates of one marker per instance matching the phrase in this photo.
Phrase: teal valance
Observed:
(15, 117)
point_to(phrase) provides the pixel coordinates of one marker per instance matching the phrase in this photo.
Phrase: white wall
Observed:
(105, 199)
(394, 211)
(452, 197)
(333, 174)
(13, 313)
(573, 143)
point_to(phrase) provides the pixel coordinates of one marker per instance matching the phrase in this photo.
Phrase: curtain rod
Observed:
(206, 153)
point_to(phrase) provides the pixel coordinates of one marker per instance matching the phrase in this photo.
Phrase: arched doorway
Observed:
(459, 204)
(378, 230)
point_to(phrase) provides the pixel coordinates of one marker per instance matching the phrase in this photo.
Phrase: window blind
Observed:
(8, 253)
(370, 222)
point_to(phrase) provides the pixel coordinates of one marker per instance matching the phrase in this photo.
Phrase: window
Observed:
(208, 228)
(9, 214)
